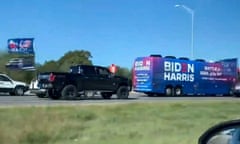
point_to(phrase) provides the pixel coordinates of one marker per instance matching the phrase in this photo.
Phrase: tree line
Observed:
(61, 65)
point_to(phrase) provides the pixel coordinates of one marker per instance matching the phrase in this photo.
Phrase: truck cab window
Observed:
(102, 71)
(89, 71)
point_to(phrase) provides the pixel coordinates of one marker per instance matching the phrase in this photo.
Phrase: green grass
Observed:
(137, 123)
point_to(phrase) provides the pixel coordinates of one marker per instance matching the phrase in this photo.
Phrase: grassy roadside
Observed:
(137, 123)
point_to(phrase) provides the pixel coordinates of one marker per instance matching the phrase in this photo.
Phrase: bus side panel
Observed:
(194, 77)
(157, 75)
(215, 78)
(153, 74)
(142, 74)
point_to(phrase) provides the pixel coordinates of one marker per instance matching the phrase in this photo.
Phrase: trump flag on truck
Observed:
(21, 45)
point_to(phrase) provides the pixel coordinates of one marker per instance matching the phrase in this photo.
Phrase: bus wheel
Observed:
(168, 91)
(178, 91)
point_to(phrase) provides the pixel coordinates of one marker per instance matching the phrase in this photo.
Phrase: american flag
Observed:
(25, 44)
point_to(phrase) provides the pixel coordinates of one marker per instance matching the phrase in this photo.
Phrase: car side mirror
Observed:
(227, 132)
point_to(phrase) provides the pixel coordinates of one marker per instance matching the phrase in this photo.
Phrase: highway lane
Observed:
(32, 100)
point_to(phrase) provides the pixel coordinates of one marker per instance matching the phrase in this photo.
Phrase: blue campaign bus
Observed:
(155, 75)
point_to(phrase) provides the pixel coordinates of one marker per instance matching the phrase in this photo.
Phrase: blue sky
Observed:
(118, 31)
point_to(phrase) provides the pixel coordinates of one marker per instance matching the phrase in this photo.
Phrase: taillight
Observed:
(51, 77)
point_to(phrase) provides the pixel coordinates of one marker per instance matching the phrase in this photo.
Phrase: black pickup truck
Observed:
(84, 80)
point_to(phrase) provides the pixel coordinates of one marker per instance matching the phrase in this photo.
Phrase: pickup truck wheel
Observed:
(19, 91)
(69, 92)
(106, 95)
(122, 92)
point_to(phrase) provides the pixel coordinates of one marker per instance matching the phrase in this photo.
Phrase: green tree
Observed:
(16, 75)
(125, 72)
(4, 58)
(62, 65)
(74, 58)
(49, 66)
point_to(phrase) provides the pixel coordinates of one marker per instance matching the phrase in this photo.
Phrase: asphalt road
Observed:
(32, 100)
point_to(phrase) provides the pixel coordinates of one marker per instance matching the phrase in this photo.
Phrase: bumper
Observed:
(38, 91)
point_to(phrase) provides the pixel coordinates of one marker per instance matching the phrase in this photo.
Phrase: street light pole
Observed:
(189, 10)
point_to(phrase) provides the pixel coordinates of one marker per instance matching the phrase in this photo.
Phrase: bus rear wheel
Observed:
(178, 91)
(169, 91)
